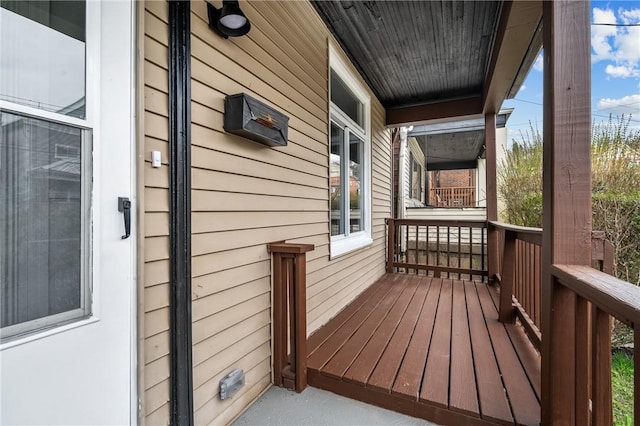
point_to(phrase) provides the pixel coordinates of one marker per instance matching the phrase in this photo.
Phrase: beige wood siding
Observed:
(245, 195)
(155, 230)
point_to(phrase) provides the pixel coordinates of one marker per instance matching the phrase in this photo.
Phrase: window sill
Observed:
(344, 245)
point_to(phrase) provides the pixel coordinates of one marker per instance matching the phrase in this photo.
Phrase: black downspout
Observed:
(181, 380)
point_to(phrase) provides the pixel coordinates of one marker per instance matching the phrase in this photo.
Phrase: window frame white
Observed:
(348, 242)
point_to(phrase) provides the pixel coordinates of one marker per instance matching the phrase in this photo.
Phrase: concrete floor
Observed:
(313, 406)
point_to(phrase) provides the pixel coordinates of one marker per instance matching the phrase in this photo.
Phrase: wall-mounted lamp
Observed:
(228, 21)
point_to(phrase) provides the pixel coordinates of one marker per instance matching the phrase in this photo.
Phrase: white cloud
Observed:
(522, 88)
(625, 105)
(630, 16)
(618, 44)
(621, 71)
(627, 44)
(538, 65)
(601, 35)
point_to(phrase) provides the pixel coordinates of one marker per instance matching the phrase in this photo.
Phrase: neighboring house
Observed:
(453, 188)
(134, 230)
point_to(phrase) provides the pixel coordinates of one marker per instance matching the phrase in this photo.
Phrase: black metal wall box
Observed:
(252, 119)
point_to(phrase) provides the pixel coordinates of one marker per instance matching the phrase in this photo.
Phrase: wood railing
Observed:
(290, 314)
(519, 270)
(449, 248)
(584, 300)
(461, 196)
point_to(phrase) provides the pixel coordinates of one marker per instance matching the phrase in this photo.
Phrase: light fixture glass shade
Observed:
(233, 21)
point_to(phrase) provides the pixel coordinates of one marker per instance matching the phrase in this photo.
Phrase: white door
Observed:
(67, 278)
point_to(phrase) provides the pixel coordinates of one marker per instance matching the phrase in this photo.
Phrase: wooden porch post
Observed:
(491, 193)
(567, 195)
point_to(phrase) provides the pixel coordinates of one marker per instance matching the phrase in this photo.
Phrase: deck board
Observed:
(431, 348)
(387, 369)
(463, 394)
(345, 356)
(363, 365)
(524, 404)
(373, 291)
(435, 382)
(323, 353)
(409, 378)
(492, 397)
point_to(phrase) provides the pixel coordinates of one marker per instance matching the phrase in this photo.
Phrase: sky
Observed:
(615, 71)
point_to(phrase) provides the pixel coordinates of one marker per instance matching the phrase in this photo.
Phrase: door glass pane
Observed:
(42, 55)
(41, 220)
(335, 177)
(356, 205)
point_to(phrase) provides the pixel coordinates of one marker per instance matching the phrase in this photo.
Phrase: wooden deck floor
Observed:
(431, 348)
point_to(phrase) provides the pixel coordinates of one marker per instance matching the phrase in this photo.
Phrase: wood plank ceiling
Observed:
(437, 59)
(413, 51)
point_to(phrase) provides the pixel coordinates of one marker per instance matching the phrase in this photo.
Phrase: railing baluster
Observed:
(449, 250)
(482, 243)
(299, 302)
(433, 239)
(405, 229)
(471, 244)
(459, 246)
(279, 310)
(428, 252)
(437, 273)
(583, 366)
(636, 372)
(417, 258)
(398, 245)
(602, 402)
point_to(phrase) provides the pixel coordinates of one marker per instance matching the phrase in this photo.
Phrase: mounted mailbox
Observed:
(251, 119)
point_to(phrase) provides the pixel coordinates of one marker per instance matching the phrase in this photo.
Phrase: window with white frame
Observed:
(350, 160)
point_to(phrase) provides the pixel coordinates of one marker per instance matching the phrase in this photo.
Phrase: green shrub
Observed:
(520, 180)
(618, 215)
(615, 171)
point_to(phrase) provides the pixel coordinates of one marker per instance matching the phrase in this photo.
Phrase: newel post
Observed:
(290, 314)
(507, 312)
(566, 203)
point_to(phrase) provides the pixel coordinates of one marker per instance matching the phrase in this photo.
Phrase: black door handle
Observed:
(124, 206)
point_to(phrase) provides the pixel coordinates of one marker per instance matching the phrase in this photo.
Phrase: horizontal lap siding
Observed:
(245, 195)
(156, 218)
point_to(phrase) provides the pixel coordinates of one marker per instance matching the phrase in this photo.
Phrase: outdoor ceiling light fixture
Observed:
(228, 21)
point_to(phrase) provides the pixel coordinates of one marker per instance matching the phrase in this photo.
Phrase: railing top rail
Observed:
(515, 228)
(441, 222)
(447, 188)
(612, 295)
(293, 248)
